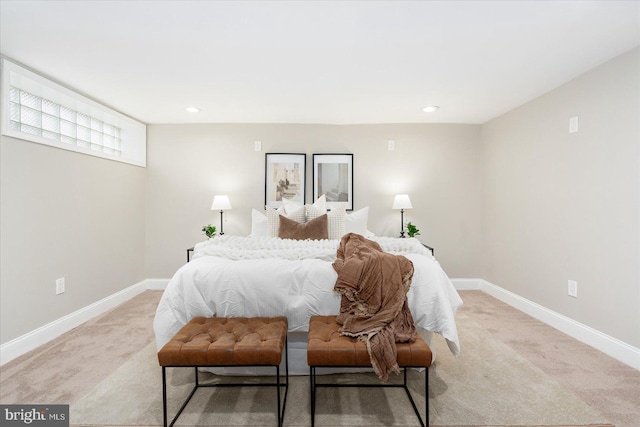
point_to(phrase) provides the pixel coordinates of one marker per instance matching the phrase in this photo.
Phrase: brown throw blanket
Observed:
(374, 286)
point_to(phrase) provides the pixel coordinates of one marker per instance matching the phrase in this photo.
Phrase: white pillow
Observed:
(318, 209)
(288, 207)
(273, 218)
(321, 203)
(258, 224)
(356, 222)
(336, 219)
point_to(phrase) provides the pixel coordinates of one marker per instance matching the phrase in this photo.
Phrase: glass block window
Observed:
(38, 116)
(36, 109)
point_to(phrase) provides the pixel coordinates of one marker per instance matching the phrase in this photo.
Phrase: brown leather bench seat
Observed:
(327, 348)
(224, 342)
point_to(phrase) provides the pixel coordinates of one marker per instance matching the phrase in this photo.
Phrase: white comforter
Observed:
(234, 276)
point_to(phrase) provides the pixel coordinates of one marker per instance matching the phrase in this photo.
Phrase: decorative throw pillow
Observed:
(273, 219)
(321, 203)
(337, 218)
(289, 207)
(319, 208)
(316, 229)
(258, 224)
(356, 222)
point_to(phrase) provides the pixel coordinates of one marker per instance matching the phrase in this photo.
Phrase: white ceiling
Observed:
(315, 62)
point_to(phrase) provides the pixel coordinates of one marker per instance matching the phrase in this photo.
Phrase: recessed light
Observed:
(193, 109)
(430, 108)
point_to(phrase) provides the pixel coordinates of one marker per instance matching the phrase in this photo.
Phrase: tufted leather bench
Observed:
(327, 348)
(218, 341)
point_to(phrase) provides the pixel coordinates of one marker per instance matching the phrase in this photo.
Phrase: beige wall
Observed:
(437, 165)
(64, 214)
(560, 206)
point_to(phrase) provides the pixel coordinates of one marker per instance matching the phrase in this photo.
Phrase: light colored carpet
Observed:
(488, 384)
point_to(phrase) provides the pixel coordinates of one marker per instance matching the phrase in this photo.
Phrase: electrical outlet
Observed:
(257, 145)
(60, 286)
(391, 145)
(572, 288)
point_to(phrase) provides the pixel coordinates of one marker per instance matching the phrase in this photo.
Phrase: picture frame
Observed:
(333, 177)
(284, 178)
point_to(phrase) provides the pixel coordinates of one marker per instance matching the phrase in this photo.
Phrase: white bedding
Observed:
(233, 276)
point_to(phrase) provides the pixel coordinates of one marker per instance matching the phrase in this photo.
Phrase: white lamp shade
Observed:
(221, 203)
(402, 201)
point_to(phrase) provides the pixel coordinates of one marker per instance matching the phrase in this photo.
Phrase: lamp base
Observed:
(402, 223)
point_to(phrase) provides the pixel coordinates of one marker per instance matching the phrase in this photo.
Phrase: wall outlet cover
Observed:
(572, 288)
(573, 124)
(60, 286)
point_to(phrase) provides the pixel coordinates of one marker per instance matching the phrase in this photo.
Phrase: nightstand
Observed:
(191, 250)
(426, 246)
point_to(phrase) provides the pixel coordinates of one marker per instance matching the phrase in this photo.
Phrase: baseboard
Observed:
(156, 284)
(611, 346)
(29, 341)
(467, 284)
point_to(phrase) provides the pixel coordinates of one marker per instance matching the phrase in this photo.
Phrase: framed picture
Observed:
(333, 177)
(284, 178)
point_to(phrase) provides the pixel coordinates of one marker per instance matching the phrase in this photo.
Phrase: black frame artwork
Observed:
(333, 177)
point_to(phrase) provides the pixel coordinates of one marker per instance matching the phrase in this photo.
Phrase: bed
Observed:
(262, 275)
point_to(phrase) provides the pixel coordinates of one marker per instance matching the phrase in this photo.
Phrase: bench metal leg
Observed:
(278, 392)
(278, 384)
(426, 395)
(312, 393)
(314, 385)
(164, 397)
(286, 385)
